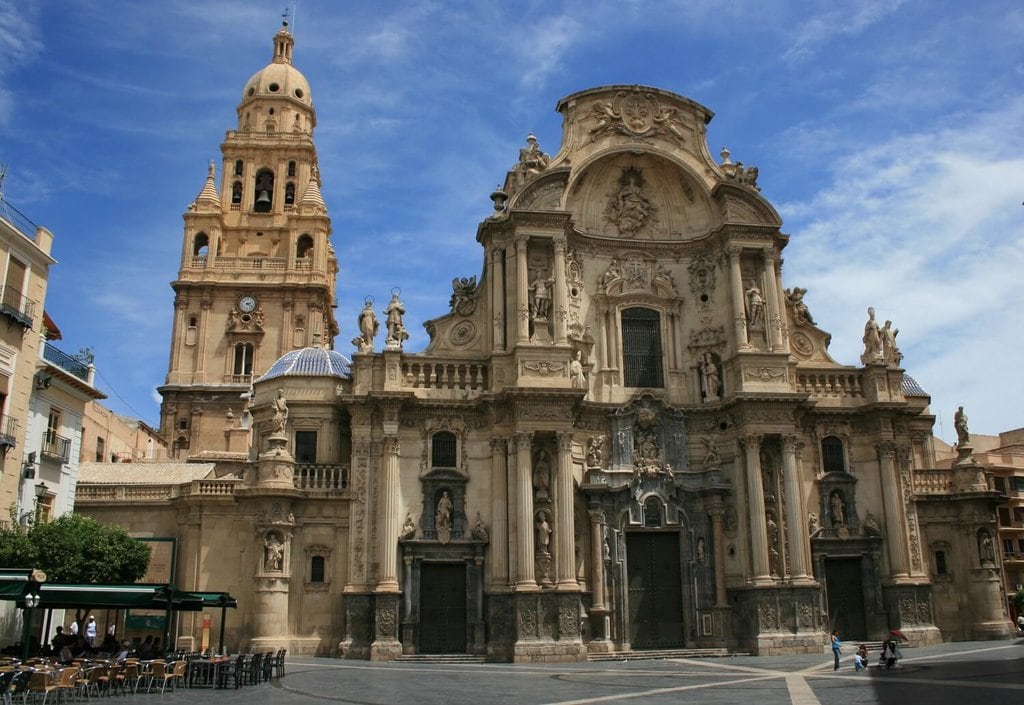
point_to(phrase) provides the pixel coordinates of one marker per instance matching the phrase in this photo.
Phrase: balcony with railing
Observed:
(71, 365)
(8, 432)
(16, 306)
(445, 378)
(56, 447)
(318, 478)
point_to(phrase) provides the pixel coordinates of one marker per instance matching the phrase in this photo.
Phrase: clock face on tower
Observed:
(247, 304)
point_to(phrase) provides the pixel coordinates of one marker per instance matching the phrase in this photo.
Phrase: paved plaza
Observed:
(991, 673)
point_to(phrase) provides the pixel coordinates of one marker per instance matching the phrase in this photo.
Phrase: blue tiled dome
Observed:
(911, 388)
(310, 362)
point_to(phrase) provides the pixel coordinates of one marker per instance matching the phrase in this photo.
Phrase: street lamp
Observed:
(31, 602)
(41, 490)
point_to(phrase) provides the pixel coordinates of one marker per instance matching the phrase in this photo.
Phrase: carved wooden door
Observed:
(654, 582)
(845, 597)
(442, 608)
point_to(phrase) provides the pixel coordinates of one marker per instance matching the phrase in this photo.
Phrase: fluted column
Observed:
(597, 522)
(718, 535)
(498, 297)
(204, 329)
(387, 521)
(499, 516)
(565, 557)
(181, 327)
(755, 505)
(561, 310)
(774, 318)
(895, 526)
(782, 303)
(525, 576)
(738, 309)
(796, 523)
(522, 291)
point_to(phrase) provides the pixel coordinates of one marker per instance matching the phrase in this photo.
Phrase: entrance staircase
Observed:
(441, 658)
(655, 654)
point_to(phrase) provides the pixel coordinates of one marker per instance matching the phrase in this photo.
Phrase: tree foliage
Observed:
(76, 549)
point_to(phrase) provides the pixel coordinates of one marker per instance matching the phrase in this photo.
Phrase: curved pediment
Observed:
(743, 205)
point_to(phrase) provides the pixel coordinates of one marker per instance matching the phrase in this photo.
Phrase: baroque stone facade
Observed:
(625, 434)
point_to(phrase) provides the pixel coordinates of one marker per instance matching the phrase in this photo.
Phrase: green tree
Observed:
(76, 549)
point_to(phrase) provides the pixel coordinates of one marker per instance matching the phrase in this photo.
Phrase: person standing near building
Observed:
(1020, 624)
(90, 631)
(835, 649)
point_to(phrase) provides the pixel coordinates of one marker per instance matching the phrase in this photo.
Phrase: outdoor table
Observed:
(203, 672)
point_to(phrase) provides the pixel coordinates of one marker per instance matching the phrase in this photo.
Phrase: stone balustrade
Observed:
(933, 481)
(468, 378)
(321, 478)
(831, 383)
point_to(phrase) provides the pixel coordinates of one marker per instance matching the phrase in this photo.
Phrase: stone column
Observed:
(773, 319)
(565, 556)
(755, 498)
(796, 522)
(204, 337)
(560, 309)
(525, 576)
(718, 536)
(181, 326)
(782, 303)
(738, 308)
(498, 298)
(499, 518)
(597, 522)
(892, 497)
(387, 520)
(522, 291)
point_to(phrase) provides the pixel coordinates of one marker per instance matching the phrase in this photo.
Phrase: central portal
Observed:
(655, 590)
(443, 608)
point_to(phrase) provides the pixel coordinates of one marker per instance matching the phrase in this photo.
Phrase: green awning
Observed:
(150, 596)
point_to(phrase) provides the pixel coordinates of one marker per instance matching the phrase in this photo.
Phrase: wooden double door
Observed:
(654, 580)
(443, 600)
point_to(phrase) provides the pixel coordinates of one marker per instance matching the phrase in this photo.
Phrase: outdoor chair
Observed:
(18, 687)
(277, 665)
(93, 681)
(5, 685)
(66, 685)
(41, 684)
(266, 666)
(232, 672)
(131, 676)
(162, 672)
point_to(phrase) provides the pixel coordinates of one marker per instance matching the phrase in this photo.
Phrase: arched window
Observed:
(238, 167)
(201, 245)
(263, 195)
(236, 192)
(243, 360)
(289, 193)
(304, 248)
(443, 449)
(291, 168)
(641, 348)
(833, 457)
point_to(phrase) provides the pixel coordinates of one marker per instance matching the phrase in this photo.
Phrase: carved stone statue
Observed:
(397, 334)
(813, 527)
(985, 549)
(531, 158)
(797, 307)
(612, 273)
(838, 508)
(701, 551)
(712, 456)
(890, 353)
(872, 340)
(409, 527)
(368, 327)
(540, 297)
(710, 380)
(479, 531)
(443, 515)
(594, 451)
(280, 407)
(543, 533)
(627, 208)
(577, 377)
(463, 300)
(871, 526)
(273, 559)
(542, 473)
(963, 436)
(755, 307)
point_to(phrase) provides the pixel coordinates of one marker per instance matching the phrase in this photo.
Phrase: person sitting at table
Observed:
(146, 648)
(109, 645)
(81, 649)
(66, 657)
(158, 649)
(122, 652)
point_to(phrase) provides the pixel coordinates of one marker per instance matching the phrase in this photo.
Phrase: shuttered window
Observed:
(641, 347)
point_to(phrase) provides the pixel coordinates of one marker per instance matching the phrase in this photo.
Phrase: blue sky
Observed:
(887, 134)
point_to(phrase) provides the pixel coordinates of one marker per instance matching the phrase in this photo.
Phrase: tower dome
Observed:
(279, 82)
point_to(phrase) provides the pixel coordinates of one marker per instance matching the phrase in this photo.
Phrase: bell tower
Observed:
(257, 272)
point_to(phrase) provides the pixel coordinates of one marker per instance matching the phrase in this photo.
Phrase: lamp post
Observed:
(31, 602)
(40, 490)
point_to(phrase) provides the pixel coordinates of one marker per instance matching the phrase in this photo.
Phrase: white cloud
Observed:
(817, 30)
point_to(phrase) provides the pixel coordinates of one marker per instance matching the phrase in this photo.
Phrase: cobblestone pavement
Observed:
(991, 673)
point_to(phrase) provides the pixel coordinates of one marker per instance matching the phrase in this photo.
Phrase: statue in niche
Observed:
(963, 436)
(595, 452)
(838, 508)
(543, 533)
(368, 327)
(577, 377)
(479, 530)
(985, 550)
(443, 514)
(701, 551)
(628, 209)
(813, 527)
(397, 334)
(872, 340)
(273, 559)
(612, 273)
(773, 536)
(542, 473)
(755, 307)
(540, 297)
(409, 527)
(531, 158)
(280, 408)
(710, 381)
(890, 353)
(712, 456)
(795, 299)
(664, 277)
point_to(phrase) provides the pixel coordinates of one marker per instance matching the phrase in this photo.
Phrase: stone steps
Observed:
(441, 658)
(653, 654)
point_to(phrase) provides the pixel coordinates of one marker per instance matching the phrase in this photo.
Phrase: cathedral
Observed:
(627, 434)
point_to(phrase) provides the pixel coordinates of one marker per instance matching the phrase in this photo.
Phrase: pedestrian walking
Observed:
(836, 649)
(90, 631)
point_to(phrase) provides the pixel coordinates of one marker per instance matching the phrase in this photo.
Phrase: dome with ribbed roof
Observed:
(310, 362)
